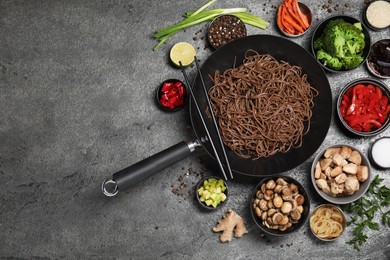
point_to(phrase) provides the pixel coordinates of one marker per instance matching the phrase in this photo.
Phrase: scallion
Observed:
(199, 16)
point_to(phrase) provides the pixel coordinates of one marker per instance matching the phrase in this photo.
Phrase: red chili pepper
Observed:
(166, 87)
(172, 94)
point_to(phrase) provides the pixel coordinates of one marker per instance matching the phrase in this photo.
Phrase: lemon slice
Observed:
(184, 52)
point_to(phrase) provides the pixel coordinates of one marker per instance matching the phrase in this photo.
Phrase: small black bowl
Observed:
(320, 28)
(202, 204)
(366, 20)
(159, 94)
(224, 29)
(294, 227)
(306, 11)
(364, 81)
(377, 56)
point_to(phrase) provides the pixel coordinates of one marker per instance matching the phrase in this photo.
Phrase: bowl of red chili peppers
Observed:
(363, 107)
(171, 95)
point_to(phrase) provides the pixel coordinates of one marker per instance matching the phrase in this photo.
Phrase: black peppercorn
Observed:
(224, 29)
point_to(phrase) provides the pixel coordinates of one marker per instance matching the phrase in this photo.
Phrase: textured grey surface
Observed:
(77, 80)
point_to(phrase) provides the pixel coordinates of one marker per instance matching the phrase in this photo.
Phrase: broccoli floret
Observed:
(334, 44)
(359, 26)
(351, 62)
(343, 42)
(328, 60)
(318, 44)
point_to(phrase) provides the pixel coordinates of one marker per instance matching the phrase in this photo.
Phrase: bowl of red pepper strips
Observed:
(171, 95)
(363, 107)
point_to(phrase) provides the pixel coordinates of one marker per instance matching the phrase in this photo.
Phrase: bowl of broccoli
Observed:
(340, 43)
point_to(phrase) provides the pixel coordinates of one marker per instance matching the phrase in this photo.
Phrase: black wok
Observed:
(222, 59)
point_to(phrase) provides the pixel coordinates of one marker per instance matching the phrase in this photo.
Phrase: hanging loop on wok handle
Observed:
(147, 167)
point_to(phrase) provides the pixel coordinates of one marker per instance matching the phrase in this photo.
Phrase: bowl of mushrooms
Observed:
(341, 173)
(279, 205)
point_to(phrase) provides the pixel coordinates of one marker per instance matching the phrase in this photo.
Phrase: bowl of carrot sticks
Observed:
(293, 18)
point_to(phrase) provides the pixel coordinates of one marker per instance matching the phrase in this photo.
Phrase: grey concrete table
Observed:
(77, 81)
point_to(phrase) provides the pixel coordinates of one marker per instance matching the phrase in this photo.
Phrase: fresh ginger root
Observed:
(229, 223)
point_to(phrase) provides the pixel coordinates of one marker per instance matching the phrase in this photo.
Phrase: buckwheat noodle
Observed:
(262, 106)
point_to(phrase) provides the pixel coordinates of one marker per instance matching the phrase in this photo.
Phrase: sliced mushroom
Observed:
(277, 218)
(263, 188)
(271, 212)
(284, 221)
(270, 204)
(300, 209)
(258, 212)
(283, 228)
(295, 214)
(264, 215)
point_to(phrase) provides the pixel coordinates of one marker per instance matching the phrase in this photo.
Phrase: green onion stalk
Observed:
(199, 16)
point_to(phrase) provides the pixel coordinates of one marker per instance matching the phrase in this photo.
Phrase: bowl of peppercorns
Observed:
(224, 29)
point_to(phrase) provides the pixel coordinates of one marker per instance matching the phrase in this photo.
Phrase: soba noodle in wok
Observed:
(262, 106)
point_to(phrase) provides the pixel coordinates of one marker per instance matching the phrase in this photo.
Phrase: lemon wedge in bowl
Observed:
(182, 52)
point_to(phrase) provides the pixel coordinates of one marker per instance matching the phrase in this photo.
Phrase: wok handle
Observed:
(144, 169)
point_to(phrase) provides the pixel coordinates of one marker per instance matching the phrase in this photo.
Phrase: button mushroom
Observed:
(278, 201)
(270, 184)
(286, 207)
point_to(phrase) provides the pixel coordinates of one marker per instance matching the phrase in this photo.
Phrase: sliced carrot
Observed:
(291, 10)
(301, 15)
(288, 19)
(279, 20)
(288, 28)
